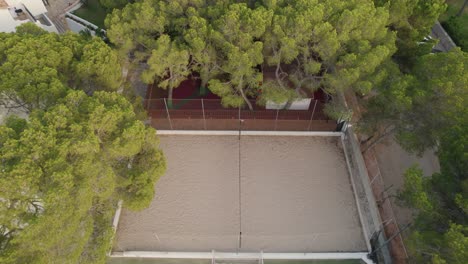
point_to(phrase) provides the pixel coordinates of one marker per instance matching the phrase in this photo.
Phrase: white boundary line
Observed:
(115, 224)
(228, 255)
(248, 133)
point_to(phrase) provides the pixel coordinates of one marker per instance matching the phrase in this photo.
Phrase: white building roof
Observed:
(36, 7)
(7, 22)
(32, 11)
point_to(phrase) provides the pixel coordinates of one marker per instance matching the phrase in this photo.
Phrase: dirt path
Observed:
(386, 164)
(393, 161)
(57, 8)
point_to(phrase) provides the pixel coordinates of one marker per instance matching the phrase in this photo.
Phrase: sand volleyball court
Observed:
(294, 196)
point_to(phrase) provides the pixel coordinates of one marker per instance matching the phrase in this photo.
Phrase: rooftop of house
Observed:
(16, 12)
(35, 7)
(11, 17)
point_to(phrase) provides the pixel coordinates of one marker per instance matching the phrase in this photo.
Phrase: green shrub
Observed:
(457, 28)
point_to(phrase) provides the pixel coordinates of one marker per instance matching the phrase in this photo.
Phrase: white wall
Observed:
(50, 28)
(36, 7)
(77, 27)
(7, 22)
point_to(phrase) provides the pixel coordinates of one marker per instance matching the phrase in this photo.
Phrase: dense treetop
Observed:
(37, 67)
(439, 117)
(81, 149)
(412, 20)
(440, 230)
(419, 106)
(232, 45)
(62, 172)
(427, 108)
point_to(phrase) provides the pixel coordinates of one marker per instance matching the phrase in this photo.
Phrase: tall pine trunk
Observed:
(203, 88)
(169, 97)
(239, 87)
(249, 104)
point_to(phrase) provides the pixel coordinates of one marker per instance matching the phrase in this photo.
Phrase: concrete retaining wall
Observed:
(243, 256)
(77, 24)
(367, 206)
(77, 27)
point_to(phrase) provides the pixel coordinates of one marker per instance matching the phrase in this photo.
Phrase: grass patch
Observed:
(456, 26)
(92, 12)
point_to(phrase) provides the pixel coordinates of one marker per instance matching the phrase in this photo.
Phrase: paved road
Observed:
(445, 42)
(56, 10)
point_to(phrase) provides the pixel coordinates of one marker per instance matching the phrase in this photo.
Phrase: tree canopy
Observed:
(427, 108)
(37, 68)
(420, 105)
(412, 20)
(81, 149)
(62, 172)
(230, 44)
(440, 232)
(438, 117)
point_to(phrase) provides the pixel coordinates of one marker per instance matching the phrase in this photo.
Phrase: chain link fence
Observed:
(367, 205)
(210, 114)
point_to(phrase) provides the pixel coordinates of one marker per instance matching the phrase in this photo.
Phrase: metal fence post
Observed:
(276, 119)
(312, 116)
(168, 116)
(203, 109)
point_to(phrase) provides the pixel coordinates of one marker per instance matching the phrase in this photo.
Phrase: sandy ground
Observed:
(393, 162)
(195, 207)
(295, 197)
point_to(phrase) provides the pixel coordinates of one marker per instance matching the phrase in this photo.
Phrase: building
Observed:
(16, 12)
